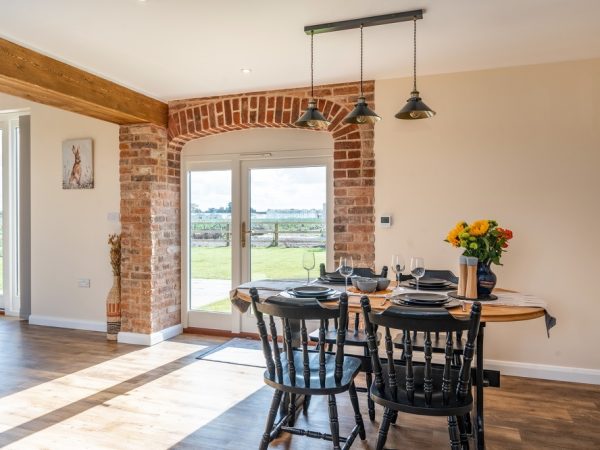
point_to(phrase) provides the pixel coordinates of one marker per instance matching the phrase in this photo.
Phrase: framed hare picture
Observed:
(78, 164)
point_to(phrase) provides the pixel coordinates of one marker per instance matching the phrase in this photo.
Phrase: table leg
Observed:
(479, 429)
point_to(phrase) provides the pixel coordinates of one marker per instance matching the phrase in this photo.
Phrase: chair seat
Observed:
(437, 408)
(314, 386)
(438, 344)
(358, 339)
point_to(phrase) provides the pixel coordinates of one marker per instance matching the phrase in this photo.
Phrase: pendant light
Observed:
(312, 117)
(361, 114)
(415, 108)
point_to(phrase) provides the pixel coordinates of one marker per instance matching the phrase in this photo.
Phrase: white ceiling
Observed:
(172, 49)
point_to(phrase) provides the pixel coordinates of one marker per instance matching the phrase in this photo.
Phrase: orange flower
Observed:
(479, 227)
(454, 233)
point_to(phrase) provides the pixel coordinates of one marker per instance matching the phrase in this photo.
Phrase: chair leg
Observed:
(468, 424)
(292, 410)
(306, 404)
(264, 443)
(462, 428)
(384, 428)
(454, 433)
(357, 415)
(330, 347)
(394, 417)
(283, 406)
(370, 402)
(333, 423)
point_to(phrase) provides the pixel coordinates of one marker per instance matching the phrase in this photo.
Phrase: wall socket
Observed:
(83, 282)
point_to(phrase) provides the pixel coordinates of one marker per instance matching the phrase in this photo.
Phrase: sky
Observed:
(277, 188)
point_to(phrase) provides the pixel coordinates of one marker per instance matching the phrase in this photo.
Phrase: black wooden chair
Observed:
(438, 341)
(355, 337)
(423, 388)
(303, 372)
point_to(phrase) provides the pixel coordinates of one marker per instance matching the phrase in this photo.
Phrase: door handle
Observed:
(244, 232)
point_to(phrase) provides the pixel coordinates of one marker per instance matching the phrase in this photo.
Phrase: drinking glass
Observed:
(346, 268)
(398, 267)
(308, 262)
(417, 268)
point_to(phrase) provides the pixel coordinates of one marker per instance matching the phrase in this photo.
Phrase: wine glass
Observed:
(398, 267)
(417, 268)
(308, 262)
(346, 268)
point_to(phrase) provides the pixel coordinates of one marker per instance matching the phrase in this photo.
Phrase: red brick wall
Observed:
(150, 205)
(150, 188)
(354, 163)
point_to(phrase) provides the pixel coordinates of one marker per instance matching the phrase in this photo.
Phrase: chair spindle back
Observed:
(426, 320)
(300, 310)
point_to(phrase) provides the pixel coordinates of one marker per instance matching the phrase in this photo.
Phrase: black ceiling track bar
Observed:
(365, 22)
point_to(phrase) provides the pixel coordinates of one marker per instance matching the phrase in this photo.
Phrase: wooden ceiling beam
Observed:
(31, 75)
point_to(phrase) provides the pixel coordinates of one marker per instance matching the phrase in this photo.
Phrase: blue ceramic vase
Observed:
(486, 280)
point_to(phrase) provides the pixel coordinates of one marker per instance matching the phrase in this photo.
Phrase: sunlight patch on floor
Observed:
(24, 406)
(161, 412)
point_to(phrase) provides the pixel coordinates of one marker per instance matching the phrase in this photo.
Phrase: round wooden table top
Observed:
(488, 313)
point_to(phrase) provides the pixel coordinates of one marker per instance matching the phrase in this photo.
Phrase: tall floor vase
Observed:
(113, 310)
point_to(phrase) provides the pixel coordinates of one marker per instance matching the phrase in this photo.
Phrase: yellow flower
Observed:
(479, 227)
(454, 233)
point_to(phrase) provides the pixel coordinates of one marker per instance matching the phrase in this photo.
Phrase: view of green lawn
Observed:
(267, 262)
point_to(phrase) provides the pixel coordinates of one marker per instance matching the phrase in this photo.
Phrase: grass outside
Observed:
(267, 262)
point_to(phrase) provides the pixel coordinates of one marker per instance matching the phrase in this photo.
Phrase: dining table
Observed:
(491, 313)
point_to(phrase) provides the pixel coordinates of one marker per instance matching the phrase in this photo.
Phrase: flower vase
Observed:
(113, 310)
(486, 280)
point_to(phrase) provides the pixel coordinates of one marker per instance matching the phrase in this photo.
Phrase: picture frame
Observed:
(78, 164)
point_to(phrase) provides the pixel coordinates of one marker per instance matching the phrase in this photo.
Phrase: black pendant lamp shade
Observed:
(312, 117)
(415, 108)
(361, 114)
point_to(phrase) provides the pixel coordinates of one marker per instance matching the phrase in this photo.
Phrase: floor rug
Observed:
(243, 352)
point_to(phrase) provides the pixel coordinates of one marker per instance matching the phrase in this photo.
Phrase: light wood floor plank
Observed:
(69, 389)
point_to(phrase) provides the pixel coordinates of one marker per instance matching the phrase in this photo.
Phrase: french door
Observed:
(249, 219)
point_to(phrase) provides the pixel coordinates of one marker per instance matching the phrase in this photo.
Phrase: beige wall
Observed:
(519, 145)
(69, 228)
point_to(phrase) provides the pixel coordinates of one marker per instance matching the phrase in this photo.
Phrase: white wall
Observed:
(69, 228)
(519, 145)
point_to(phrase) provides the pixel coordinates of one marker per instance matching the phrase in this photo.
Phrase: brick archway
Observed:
(150, 161)
(354, 164)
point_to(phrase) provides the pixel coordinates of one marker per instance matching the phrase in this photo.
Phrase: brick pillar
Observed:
(150, 271)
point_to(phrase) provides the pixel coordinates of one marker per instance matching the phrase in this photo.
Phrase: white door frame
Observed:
(240, 164)
(10, 298)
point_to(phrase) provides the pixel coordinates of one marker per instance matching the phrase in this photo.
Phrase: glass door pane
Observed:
(287, 219)
(210, 215)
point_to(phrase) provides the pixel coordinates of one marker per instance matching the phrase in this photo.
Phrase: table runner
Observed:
(273, 287)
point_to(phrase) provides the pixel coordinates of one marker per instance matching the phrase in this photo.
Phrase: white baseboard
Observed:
(544, 371)
(61, 322)
(149, 339)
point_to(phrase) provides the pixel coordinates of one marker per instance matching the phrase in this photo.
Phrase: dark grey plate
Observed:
(445, 287)
(450, 303)
(423, 298)
(311, 291)
(331, 297)
(431, 281)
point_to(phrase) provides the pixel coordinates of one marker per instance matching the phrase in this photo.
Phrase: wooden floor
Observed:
(67, 389)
